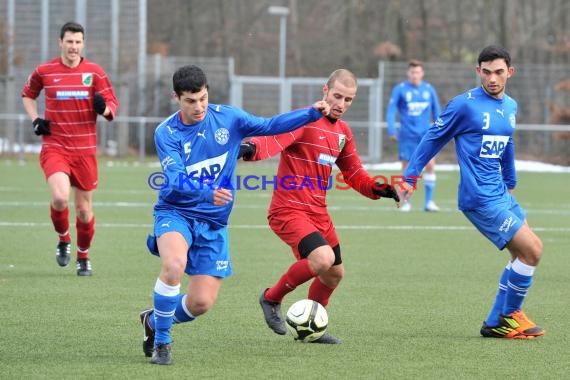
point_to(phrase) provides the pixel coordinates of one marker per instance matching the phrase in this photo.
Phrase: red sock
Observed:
(60, 220)
(297, 274)
(85, 232)
(320, 292)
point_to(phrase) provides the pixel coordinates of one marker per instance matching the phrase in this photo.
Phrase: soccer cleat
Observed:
(63, 253)
(501, 331)
(521, 323)
(84, 267)
(161, 355)
(431, 207)
(406, 207)
(327, 339)
(148, 336)
(272, 314)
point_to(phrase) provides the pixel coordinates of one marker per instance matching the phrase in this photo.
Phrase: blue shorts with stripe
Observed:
(498, 222)
(208, 252)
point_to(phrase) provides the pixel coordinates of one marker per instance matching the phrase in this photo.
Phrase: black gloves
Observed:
(41, 126)
(99, 103)
(246, 150)
(385, 191)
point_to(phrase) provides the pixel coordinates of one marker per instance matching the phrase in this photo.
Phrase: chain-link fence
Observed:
(115, 38)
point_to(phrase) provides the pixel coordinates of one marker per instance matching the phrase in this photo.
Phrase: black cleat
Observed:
(63, 253)
(272, 314)
(148, 337)
(84, 267)
(327, 339)
(161, 355)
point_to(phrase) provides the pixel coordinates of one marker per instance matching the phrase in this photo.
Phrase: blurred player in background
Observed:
(76, 91)
(300, 217)
(198, 148)
(482, 122)
(417, 104)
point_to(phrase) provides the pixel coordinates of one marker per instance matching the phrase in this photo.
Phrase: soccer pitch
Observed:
(416, 290)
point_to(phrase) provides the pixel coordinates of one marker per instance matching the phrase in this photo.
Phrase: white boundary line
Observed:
(264, 226)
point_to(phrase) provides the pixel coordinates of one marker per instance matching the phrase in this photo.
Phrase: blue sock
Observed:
(520, 280)
(165, 299)
(429, 182)
(182, 314)
(497, 309)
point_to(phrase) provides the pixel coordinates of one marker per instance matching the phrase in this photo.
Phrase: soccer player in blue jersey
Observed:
(198, 148)
(482, 122)
(417, 104)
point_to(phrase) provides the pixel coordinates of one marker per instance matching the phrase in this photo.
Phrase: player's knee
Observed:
(173, 269)
(60, 203)
(200, 304)
(322, 259)
(84, 213)
(536, 249)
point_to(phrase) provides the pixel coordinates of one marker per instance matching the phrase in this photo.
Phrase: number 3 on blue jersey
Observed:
(486, 120)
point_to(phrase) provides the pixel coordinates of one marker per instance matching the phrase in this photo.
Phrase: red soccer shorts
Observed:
(292, 226)
(81, 169)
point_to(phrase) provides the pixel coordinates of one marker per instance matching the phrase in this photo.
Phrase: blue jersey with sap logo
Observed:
(482, 127)
(198, 158)
(416, 105)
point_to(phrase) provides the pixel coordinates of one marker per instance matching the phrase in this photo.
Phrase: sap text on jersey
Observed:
(493, 146)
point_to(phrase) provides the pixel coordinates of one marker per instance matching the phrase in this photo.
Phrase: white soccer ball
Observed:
(307, 320)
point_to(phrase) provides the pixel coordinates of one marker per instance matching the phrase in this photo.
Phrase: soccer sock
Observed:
(297, 274)
(519, 281)
(429, 182)
(165, 300)
(497, 309)
(182, 314)
(60, 220)
(320, 292)
(85, 232)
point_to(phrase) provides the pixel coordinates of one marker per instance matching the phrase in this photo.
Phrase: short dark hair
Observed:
(189, 78)
(415, 63)
(492, 52)
(73, 27)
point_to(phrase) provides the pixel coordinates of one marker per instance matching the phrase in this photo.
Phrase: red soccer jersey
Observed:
(305, 166)
(69, 103)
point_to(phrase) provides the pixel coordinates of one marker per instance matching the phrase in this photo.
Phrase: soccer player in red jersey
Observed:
(298, 213)
(76, 90)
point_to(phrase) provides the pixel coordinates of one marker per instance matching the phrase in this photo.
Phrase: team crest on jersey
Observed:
(222, 135)
(341, 141)
(512, 120)
(426, 95)
(87, 79)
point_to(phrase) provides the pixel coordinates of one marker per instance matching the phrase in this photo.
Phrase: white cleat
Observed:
(406, 207)
(431, 207)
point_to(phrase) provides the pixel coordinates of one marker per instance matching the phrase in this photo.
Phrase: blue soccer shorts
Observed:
(208, 252)
(498, 222)
(406, 147)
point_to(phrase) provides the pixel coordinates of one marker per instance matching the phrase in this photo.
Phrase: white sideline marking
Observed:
(264, 226)
(390, 207)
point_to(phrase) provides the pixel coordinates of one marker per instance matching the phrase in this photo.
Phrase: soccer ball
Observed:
(307, 320)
